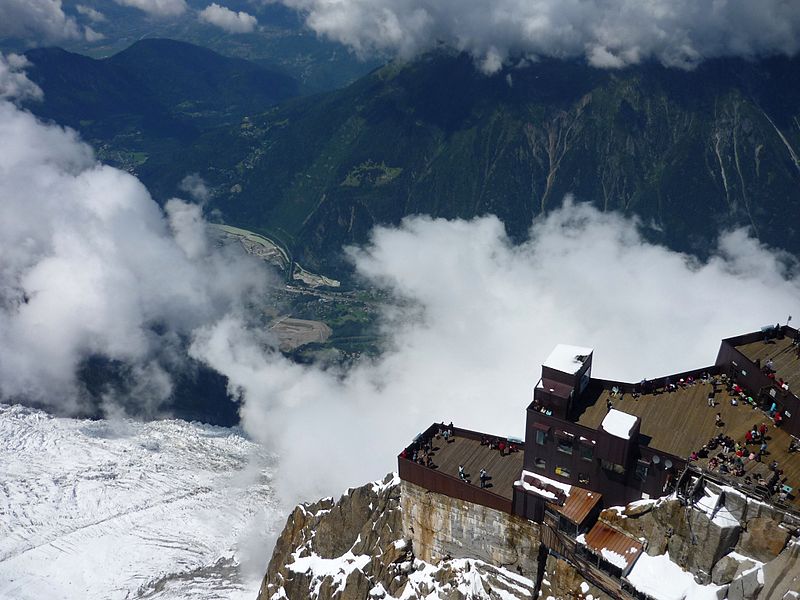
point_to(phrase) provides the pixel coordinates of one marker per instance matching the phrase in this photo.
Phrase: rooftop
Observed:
(577, 502)
(618, 423)
(613, 545)
(680, 422)
(502, 470)
(785, 360)
(567, 359)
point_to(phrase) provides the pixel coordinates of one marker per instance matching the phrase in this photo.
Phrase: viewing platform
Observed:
(682, 422)
(471, 450)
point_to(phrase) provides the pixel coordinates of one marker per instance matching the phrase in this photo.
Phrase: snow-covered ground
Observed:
(121, 509)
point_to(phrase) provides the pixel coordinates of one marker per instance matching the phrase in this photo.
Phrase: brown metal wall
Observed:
(447, 485)
(754, 379)
(616, 488)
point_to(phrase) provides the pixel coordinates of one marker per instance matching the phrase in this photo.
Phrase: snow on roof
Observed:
(662, 579)
(564, 358)
(564, 487)
(615, 558)
(618, 423)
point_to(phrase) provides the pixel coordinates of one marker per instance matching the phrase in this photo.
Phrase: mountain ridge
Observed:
(684, 151)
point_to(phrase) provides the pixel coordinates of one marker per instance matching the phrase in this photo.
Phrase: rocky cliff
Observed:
(355, 548)
(392, 539)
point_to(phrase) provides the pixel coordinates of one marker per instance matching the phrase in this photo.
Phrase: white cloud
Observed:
(14, 83)
(92, 267)
(227, 19)
(157, 8)
(95, 16)
(609, 33)
(37, 20)
(91, 35)
(196, 187)
(480, 315)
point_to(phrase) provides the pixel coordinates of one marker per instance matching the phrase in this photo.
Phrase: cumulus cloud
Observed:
(227, 19)
(92, 267)
(37, 20)
(14, 83)
(157, 8)
(95, 16)
(474, 319)
(608, 33)
(196, 187)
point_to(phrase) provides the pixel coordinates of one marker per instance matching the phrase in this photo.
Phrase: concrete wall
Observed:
(439, 526)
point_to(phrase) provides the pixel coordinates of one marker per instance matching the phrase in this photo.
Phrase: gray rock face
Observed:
(355, 549)
(724, 571)
(764, 539)
(441, 527)
(694, 541)
(562, 580)
(365, 526)
(782, 575)
(745, 587)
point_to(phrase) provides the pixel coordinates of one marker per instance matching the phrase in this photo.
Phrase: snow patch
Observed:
(662, 579)
(618, 423)
(122, 509)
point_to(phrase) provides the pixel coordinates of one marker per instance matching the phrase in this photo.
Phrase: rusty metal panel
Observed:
(603, 536)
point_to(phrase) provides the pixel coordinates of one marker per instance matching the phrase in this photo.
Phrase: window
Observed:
(565, 445)
(641, 469)
(587, 452)
(540, 436)
(613, 467)
(583, 478)
(540, 463)
(563, 471)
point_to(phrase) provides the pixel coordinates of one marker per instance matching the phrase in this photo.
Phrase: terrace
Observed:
(786, 361)
(680, 422)
(470, 450)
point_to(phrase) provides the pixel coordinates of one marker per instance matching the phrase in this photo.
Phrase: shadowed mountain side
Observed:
(166, 88)
(688, 152)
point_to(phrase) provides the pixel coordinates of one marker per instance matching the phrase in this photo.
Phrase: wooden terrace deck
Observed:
(785, 359)
(680, 422)
(502, 470)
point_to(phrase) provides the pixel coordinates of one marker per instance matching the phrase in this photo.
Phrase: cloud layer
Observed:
(41, 20)
(92, 267)
(476, 316)
(227, 19)
(157, 8)
(608, 33)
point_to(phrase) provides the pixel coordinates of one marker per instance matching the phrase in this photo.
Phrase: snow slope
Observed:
(121, 509)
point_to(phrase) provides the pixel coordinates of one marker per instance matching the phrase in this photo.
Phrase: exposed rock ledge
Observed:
(363, 547)
(354, 549)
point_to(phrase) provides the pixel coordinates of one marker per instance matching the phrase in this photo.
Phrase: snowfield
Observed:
(122, 509)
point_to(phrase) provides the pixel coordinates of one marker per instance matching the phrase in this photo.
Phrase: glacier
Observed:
(120, 509)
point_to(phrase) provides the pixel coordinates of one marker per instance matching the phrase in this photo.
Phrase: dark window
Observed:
(583, 478)
(539, 463)
(641, 469)
(563, 471)
(587, 452)
(565, 445)
(541, 436)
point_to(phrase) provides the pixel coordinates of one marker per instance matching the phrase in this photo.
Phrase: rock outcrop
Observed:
(355, 549)
(441, 527)
(764, 539)
(694, 540)
(562, 580)
(393, 539)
